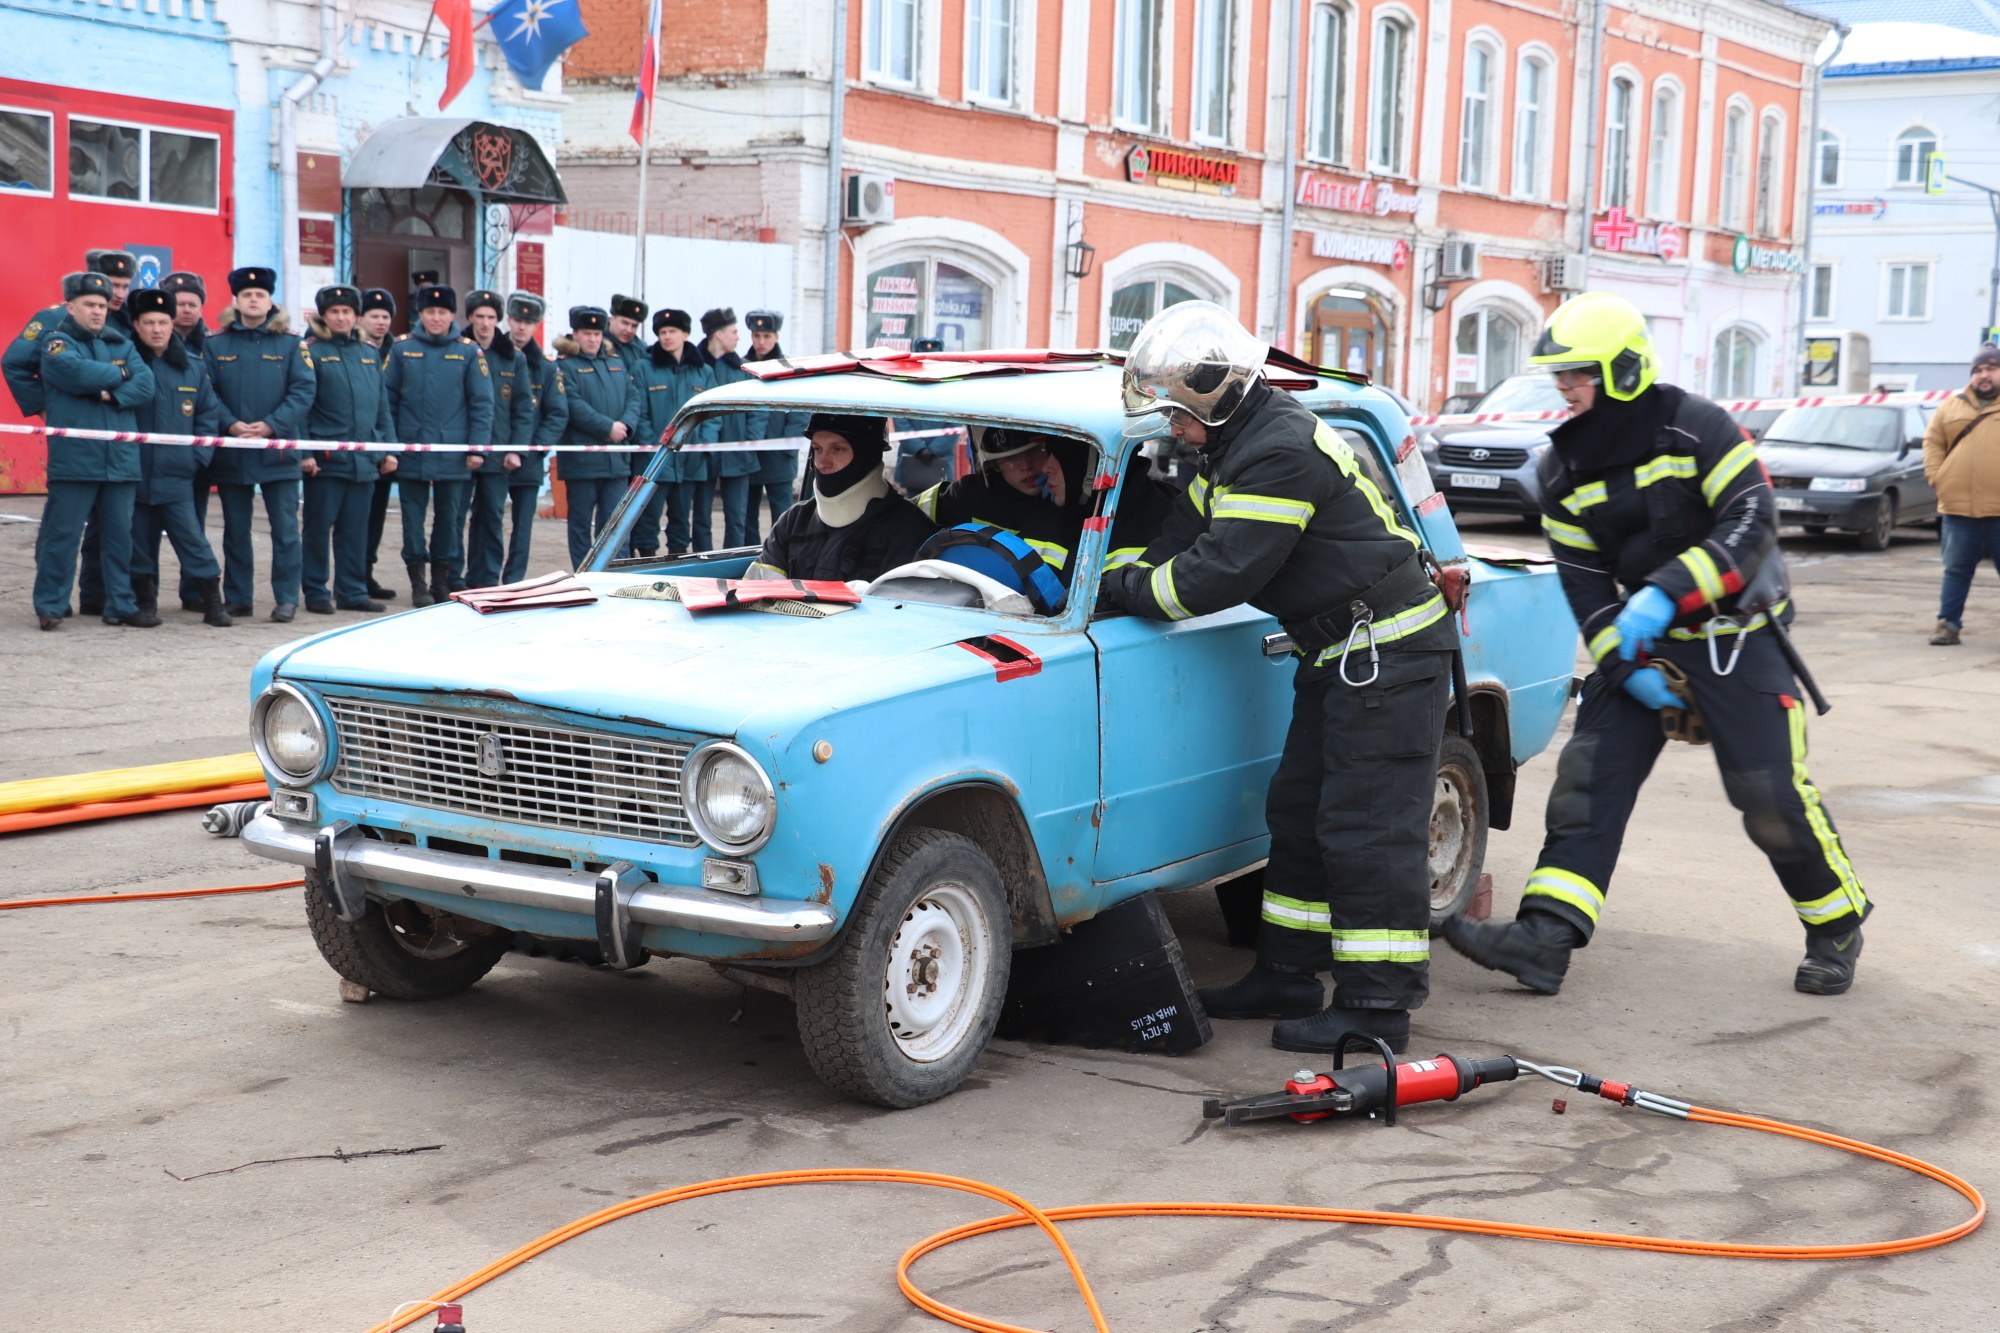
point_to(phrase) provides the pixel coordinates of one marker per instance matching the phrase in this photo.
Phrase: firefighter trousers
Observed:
(1348, 884)
(1757, 728)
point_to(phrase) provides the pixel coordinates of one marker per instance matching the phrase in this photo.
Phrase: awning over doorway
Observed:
(504, 165)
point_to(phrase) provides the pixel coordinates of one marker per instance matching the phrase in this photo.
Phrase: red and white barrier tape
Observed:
(377, 446)
(1912, 396)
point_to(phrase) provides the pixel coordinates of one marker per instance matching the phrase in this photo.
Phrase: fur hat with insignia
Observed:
(673, 319)
(719, 318)
(112, 263)
(338, 294)
(436, 296)
(764, 321)
(176, 283)
(627, 307)
(150, 301)
(487, 298)
(526, 307)
(583, 318)
(86, 284)
(378, 298)
(264, 280)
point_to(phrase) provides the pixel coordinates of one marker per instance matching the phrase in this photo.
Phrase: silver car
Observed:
(1491, 469)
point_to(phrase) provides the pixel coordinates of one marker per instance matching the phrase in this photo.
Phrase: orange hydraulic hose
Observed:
(141, 897)
(132, 805)
(1026, 1214)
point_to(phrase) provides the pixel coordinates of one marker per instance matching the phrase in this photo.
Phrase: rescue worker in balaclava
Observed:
(1665, 531)
(854, 526)
(1283, 517)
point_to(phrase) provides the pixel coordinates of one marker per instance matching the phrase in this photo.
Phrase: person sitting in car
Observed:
(1036, 486)
(854, 526)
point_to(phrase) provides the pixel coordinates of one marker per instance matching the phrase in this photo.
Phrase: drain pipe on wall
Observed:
(1592, 177)
(288, 152)
(836, 130)
(1288, 218)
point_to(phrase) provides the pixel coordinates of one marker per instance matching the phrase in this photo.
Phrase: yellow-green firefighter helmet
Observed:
(1604, 333)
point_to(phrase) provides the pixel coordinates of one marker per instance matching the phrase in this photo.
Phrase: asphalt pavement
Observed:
(192, 1036)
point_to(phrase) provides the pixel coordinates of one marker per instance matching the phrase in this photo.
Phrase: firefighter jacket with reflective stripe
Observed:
(1053, 532)
(78, 368)
(1693, 517)
(440, 392)
(184, 403)
(351, 403)
(1280, 515)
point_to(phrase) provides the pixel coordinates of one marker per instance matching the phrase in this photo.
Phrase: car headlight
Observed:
(1839, 483)
(730, 800)
(289, 736)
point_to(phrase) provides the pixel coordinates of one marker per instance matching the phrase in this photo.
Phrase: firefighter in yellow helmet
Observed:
(1666, 536)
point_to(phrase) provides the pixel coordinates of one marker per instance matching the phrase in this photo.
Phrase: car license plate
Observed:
(1791, 502)
(1475, 481)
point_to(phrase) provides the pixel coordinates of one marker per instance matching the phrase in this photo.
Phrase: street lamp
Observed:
(1992, 278)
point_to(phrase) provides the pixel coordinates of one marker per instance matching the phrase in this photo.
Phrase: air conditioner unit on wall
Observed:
(1563, 273)
(1458, 261)
(868, 201)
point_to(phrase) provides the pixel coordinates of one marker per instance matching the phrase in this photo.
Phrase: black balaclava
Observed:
(1615, 431)
(865, 435)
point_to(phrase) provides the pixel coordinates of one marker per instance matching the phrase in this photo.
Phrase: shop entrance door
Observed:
(1348, 334)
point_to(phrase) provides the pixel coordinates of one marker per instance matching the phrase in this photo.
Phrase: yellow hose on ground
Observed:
(117, 784)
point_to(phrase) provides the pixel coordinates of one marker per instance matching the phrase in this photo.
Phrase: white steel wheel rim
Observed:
(1451, 835)
(936, 978)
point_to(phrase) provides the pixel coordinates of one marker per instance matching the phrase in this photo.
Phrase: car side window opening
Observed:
(1370, 454)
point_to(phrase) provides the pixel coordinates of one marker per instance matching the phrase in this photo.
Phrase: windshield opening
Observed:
(1842, 427)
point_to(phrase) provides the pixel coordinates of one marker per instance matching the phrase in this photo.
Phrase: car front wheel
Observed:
(1881, 525)
(902, 1010)
(1459, 815)
(403, 949)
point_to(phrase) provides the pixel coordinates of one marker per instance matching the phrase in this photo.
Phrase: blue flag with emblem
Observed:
(534, 33)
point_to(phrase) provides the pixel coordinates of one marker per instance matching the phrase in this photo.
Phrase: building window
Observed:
(1819, 304)
(1909, 295)
(26, 140)
(1349, 328)
(1485, 351)
(928, 298)
(1663, 154)
(1618, 146)
(1326, 132)
(1734, 128)
(889, 41)
(1474, 117)
(1387, 130)
(1214, 63)
(1735, 370)
(1829, 158)
(1136, 302)
(1137, 64)
(165, 168)
(1768, 171)
(989, 50)
(1914, 151)
(1530, 116)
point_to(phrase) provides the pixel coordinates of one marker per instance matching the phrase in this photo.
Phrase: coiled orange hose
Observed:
(1026, 1214)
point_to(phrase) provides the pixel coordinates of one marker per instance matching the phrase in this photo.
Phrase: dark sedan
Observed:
(1491, 469)
(1859, 469)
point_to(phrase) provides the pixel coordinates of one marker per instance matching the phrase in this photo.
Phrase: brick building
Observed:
(1054, 171)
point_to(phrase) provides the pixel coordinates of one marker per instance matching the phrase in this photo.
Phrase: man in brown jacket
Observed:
(1962, 461)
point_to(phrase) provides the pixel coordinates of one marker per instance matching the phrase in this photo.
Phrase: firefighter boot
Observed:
(419, 572)
(212, 610)
(1828, 968)
(1533, 948)
(146, 592)
(1265, 992)
(1321, 1033)
(376, 590)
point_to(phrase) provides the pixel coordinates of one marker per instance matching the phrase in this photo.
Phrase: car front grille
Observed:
(1461, 455)
(1791, 483)
(552, 777)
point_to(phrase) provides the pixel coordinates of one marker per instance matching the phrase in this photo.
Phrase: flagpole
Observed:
(639, 257)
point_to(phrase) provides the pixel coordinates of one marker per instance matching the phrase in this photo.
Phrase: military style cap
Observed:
(338, 294)
(244, 279)
(150, 301)
(112, 263)
(720, 318)
(583, 318)
(483, 297)
(86, 284)
(436, 296)
(378, 298)
(425, 277)
(764, 321)
(526, 307)
(626, 307)
(673, 319)
(176, 283)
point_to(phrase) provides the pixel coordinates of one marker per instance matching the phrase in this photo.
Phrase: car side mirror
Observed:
(1909, 445)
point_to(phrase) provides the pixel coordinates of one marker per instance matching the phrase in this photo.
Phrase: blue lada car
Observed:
(867, 811)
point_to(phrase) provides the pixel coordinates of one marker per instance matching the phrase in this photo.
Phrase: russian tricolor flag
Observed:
(649, 71)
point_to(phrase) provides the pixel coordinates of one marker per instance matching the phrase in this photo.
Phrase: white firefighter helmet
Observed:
(1192, 357)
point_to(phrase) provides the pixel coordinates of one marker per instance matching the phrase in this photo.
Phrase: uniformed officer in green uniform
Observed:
(184, 403)
(352, 403)
(440, 392)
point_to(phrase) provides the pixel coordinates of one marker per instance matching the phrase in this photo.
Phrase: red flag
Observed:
(649, 73)
(456, 15)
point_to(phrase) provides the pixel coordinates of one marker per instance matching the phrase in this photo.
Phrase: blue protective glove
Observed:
(1649, 687)
(1647, 613)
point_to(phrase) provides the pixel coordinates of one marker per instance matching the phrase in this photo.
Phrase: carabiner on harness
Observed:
(1364, 623)
(1736, 652)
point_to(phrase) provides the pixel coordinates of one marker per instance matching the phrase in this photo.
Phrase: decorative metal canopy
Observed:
(501, 164)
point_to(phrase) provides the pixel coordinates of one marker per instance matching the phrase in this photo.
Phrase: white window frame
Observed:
(1389, 120)
(875, 39)
(1128, 47)
(147, 129)
(23, 192)
(1829, 136)
(1168, 261)
(1663, 152)
(1214, 70)
(1327, 119)
(1918, 133)
(1732, 194)
(1757, 351)
(1619, 158)
(1813, 313)
(1767, 197)
(996, 261)
(980, 26)
(1482, 103)
(1531, 144)
(1890, 267)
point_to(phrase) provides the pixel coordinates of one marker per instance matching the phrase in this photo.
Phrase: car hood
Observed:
(1823, 460)
(638, 660)
(1494, 437)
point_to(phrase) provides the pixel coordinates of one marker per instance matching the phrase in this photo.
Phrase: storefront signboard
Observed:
(1377, 198)
(1746, 256)
(1359, 247)
(1866, 208)
(1176, 170)
(1618, 232)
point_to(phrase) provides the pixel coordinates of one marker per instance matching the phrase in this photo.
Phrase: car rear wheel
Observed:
(1881, 525)
(1459, 817)
(403, 949)
(902, 1011)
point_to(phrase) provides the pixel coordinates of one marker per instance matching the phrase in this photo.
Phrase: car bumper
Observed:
(386, 866)
(1833, 509)
(1515, 494)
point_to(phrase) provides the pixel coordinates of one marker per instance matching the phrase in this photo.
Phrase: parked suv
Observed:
(1857, 468)
(1491, 468)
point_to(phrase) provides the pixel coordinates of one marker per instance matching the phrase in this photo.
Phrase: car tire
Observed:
(1881, 527)
(902, 1010)
(1460, 817)
(1814, 529)
(402, 949)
